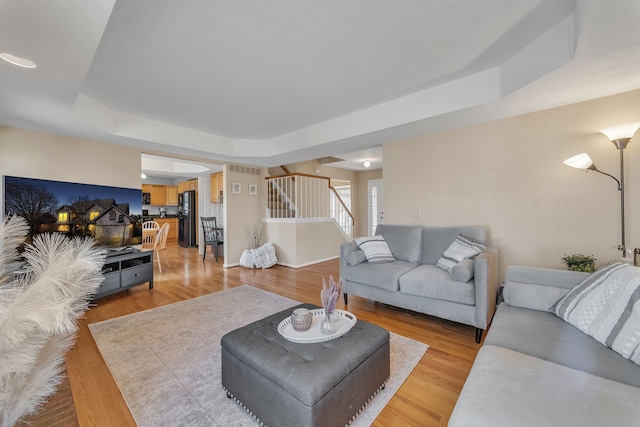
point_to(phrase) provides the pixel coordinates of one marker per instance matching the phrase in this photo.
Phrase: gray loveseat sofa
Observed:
(413, 281)
(535, 369)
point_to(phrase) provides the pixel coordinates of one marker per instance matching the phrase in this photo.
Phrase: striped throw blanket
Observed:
(606, 306)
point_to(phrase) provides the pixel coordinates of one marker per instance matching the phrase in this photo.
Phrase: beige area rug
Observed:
(166, 361)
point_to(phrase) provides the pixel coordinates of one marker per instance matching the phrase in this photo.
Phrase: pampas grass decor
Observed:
(41, 299)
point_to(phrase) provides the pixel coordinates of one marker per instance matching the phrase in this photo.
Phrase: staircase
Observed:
(302, 196)
(278, 202)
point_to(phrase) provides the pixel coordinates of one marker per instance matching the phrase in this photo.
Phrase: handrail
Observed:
(343, 205)
(308, 175)
(285, 169)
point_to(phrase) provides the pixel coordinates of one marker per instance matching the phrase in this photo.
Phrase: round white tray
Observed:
(345, 322)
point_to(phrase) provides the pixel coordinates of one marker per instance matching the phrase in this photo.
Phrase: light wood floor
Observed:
(426, 398)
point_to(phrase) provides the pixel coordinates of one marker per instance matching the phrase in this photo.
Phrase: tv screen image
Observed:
(111, 215)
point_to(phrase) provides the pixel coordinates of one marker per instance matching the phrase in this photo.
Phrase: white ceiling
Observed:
(270, 83)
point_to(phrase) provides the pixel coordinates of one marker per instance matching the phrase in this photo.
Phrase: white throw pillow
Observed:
(264, 256)
(606, 306)
(462, 247)
(375, 248)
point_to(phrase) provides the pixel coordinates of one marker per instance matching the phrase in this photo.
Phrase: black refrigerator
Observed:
(187, 224)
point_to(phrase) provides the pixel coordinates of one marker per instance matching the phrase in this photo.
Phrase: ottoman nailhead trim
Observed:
(257, 420)
(384, 384)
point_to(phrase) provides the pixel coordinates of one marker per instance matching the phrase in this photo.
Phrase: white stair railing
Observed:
(281, 201)
(340, 212)
(306, 196)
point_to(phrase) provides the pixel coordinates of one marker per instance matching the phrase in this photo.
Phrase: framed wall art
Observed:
(236, 188)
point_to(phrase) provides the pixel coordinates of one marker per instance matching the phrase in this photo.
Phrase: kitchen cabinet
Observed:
(173, 227)
(161, 195)
(216, 187)
(190, 185)
(158, 195)
(171, 192)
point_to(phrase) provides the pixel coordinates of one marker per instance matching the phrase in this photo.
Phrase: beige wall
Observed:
(242, 212)
(302, 243)
(509, 176)
(39, 155)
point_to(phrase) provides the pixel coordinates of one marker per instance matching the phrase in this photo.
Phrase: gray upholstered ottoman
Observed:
(282, 383)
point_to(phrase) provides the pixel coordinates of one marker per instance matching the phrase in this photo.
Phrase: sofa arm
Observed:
(538, 288)
(346, 249)
(486, 286)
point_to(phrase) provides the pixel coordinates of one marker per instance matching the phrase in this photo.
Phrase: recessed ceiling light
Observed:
(20, 61)
(367, 164)
(143, 176)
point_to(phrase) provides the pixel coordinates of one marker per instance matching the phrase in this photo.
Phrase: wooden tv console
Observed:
(124, 270)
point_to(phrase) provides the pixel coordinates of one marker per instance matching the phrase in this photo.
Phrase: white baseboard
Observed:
(308, 263)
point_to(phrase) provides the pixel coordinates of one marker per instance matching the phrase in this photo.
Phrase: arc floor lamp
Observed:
(620, 137)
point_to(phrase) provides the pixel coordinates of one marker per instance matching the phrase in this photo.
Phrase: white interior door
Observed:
(376, 215)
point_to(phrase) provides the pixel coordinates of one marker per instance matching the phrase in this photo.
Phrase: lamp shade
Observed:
(579, 161)
(621, 131)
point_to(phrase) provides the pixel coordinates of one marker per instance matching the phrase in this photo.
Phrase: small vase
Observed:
(327, 327)
(301, 319)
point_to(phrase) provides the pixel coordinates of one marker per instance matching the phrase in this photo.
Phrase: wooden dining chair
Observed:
(213, 236)
(150, 231)
(160, 245)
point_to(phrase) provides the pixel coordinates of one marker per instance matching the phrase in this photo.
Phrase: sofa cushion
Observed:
(506, 388)
(404, 241)
(436, 240)
(462, 247)
(543, 335)
(606, 305)
(375, 249)
(433, 282)
(463, 271)
(384, 276)
(356, 257)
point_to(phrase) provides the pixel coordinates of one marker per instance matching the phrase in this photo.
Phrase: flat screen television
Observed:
(111, 215)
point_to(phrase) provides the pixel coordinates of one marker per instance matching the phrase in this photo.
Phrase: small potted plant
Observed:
(580, 262)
